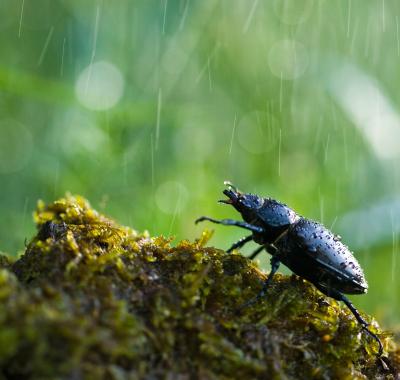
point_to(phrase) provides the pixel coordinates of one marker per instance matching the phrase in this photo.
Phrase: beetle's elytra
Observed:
(306, 247)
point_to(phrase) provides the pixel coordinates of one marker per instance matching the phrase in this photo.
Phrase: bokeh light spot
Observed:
(171, 197)
(288, 59)
(100, 86)
(16, 145)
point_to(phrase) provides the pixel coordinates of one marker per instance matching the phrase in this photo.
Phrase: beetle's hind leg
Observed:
(240, 243)
(364, 324)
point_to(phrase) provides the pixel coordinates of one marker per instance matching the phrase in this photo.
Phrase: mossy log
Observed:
(90, 299)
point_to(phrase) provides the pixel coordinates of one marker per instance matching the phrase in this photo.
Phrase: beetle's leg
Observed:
(363, 323)
(256, 252)
(231, 222)
(275, 262)
(340, 297)
(240, 243)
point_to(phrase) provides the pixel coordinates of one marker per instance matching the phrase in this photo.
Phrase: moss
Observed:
(90, 299)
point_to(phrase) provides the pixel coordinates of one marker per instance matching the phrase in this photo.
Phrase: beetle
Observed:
(306, 247)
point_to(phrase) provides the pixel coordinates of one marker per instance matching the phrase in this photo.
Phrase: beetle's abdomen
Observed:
(314, 252)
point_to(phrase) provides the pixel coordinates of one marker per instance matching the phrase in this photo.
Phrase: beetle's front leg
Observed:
(231, 222)
(275, 262)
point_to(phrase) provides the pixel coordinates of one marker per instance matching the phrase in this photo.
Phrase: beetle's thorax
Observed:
(275, 217)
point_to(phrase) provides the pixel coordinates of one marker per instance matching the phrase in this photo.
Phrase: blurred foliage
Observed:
(146, 107)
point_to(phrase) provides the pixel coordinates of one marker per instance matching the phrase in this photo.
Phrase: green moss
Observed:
(91, 299)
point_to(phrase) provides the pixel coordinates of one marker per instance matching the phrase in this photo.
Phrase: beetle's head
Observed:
(246, 204)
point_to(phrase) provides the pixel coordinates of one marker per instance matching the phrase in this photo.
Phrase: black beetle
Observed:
(306, 247)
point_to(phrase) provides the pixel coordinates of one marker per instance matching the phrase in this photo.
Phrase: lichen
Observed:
(90, 299)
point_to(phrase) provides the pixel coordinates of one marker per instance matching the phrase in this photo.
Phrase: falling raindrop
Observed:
(233, 134)
(165, 15)
(348, 18)
(46, 45)
(159, 105)
(184, 15)
(397, 36)
(20, 18)
(279, 152)
(152, 160)
(62, 58)
(250, 16)
(395, 243)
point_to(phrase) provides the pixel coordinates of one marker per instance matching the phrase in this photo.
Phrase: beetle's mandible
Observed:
(306, 247)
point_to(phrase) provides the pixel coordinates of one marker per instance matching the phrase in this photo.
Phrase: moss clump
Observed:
(90, 299)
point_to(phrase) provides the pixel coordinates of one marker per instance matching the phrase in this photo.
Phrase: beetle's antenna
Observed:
(231, 186)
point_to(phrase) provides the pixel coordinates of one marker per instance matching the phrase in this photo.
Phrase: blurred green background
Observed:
(146, 107)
